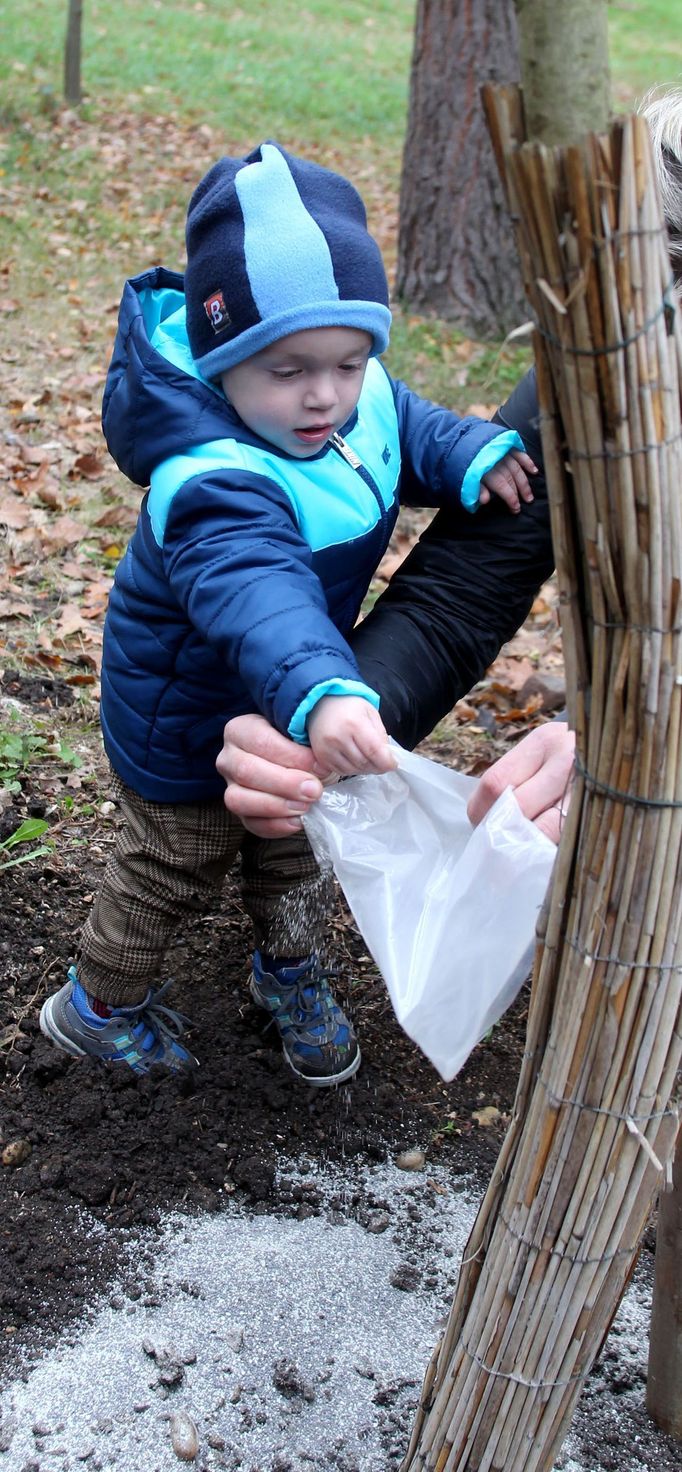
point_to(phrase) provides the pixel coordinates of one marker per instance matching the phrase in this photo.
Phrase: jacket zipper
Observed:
(344, 450)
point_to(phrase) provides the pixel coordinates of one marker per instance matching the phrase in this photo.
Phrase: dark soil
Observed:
(126, 1149)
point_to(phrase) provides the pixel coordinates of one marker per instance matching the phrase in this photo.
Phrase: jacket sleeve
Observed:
(465, 588)
(242, 573)
(443, 457)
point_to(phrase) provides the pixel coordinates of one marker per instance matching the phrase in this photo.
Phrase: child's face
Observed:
(296, 392)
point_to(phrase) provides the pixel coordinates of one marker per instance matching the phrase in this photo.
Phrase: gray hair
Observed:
(663, 113)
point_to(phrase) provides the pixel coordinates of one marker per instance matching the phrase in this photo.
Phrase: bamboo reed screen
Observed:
(594, 1121)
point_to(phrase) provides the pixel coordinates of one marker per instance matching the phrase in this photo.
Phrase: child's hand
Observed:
(347, 735)
(508, 480)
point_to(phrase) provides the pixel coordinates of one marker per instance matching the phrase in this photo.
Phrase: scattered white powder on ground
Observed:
(290, 1346)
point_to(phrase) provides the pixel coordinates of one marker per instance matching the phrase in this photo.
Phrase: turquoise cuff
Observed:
(485, 460)
(298, 724)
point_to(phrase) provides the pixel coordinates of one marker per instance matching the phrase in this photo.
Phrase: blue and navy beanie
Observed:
(276, 244)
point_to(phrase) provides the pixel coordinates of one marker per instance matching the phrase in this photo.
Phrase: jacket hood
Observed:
(155, 401)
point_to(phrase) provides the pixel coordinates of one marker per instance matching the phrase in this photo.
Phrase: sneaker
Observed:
(318, 1041)
(139, 1036)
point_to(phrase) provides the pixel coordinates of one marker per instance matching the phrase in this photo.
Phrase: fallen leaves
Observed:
(63, 532)
(70, 621)
(14, 608)
(14, 514)
(58, 535)
(89, 465)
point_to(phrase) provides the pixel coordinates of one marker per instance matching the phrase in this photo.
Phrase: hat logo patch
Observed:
(217, 312)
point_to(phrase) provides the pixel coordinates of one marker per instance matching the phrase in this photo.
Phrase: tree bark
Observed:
(565, 68)
(456, 250)
(72, 53)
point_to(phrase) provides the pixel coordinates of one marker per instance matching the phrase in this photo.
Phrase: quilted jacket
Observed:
(247, 568)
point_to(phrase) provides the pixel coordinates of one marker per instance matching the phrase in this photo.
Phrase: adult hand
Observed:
(539, 769)
(271, 781)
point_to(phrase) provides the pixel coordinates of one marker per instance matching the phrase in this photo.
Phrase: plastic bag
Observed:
(447, 911)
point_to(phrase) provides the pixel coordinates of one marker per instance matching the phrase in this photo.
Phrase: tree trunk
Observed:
(456, 249)
(72, 53)
(565, 68)
(664, 1382)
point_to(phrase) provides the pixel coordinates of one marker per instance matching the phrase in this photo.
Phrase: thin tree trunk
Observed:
(72, 53)
(456, 252)
(565, 68)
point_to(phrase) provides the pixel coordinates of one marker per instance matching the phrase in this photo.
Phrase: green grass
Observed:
(326, 72)
(439, 362)
(645, 42)
(93, 204)
(322, 71)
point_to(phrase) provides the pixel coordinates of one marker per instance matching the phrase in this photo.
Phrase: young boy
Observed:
(250, 399)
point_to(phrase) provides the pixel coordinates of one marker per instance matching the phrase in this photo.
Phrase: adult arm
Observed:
(462, 592)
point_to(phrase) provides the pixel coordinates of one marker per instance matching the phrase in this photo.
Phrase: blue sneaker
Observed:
(318, 1041)
(138, 1036)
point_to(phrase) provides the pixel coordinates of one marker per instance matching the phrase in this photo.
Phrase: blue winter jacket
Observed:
(247, 567)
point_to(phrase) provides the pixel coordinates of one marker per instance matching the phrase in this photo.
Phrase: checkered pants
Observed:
(168, 862)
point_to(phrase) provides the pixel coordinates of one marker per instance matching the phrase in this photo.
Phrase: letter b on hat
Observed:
(217, 312)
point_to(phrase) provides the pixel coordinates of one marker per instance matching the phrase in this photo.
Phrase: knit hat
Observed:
(276, 244)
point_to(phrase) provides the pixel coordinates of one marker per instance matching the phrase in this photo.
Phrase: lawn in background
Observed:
(330, 79)
(333, 71)
(329, 73)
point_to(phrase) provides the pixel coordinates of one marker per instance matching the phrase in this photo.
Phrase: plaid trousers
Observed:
(169, 861)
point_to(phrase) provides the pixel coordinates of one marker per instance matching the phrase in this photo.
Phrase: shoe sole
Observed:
(326, 1081)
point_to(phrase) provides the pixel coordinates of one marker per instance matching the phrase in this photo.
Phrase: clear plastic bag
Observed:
(447, 911)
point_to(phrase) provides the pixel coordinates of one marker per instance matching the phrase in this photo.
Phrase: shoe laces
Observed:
(312, 999)
(156, 1023)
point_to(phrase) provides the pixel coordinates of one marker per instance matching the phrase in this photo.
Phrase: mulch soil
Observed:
(99, 1154)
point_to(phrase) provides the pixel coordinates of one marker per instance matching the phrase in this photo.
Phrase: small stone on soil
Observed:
(410, 1160)
(184, 1436)
(16, 1152)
